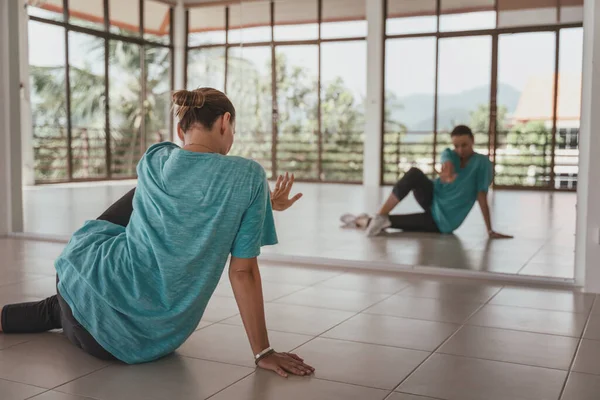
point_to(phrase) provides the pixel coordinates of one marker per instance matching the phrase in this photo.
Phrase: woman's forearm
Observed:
(247, 289)
(485, 210)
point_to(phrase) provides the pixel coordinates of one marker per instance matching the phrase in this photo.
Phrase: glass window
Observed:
(206, 68)
(411, 16)
(249, 88)
(157, 107)
(526, 12)
(464, 88)
(250, 22)
(48, 9)
(568, 116)
(88, 116)
(466, 15)
(157, 21)
(206, 26)
(87, 13)
(343, 19)
(48, 101)
(343, 93)
(409, 106)
(526, 63)
(127, 143)
(297, 91)
(296, 20)
(124, 17)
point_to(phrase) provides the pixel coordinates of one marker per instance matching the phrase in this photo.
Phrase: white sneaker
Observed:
(351, 221)
(378, 224)
(348, 219)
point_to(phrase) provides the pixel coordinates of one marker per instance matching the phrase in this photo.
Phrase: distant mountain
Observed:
(417, 110)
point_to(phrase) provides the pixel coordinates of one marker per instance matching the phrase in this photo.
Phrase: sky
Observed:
(465, 63)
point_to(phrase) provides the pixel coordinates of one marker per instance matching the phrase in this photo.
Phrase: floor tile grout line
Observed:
(539, 309)
(347, 319)
(230, 385)
(23, 383)
(384, 299)
(308, 268)
(289, 294)
(17, 344)
(80, 377)
(504, 362)
(389, 396)
(39, 394)
(294, 291)
(369, 343)
(233, 364)
(411, 318)
(533, 256)
(253, 372)
(52, 390)
(445, 341)
(581, 338)
(240, 365)
(521, 330)
(314, 377)
(587, 373)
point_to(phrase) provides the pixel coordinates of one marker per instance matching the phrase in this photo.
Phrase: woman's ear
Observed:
(180, 133)
(225, 122)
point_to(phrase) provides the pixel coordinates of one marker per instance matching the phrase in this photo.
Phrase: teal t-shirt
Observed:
(141, 290)
(452, 202)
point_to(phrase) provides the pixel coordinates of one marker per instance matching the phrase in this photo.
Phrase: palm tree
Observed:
(88, 104)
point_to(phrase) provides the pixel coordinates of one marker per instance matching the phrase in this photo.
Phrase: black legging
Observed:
(54, 312)
(422, 187)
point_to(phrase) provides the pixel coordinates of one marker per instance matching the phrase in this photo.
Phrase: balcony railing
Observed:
(88, 153)
(521, 159)
(340, 158)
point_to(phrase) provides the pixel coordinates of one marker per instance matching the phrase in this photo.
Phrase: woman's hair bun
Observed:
(185, 100)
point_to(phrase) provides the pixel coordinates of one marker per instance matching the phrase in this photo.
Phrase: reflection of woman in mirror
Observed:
(447, 200)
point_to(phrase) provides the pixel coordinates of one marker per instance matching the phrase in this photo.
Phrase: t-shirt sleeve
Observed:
(486, 175)
(258, 226)
(446, 156)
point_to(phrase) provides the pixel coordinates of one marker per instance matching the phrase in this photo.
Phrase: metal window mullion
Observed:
(554, 109)
(68, 93)
(274, 105)
(319, 111)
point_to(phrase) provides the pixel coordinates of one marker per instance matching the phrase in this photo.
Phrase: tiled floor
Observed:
(369, 336)
(543, 225)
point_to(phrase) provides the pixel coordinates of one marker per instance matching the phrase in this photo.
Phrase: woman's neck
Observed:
(199, 147)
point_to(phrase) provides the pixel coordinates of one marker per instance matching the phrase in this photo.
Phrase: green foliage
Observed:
(88, 100)
(342, 120)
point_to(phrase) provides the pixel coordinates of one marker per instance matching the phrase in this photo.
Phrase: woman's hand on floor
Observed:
(496, 235)
(286, 363)
(280, 196)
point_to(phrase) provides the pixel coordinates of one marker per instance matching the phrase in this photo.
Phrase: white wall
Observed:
(373, 140)
(11, 219)
(4, 128)
(179, 48)
(587, 248)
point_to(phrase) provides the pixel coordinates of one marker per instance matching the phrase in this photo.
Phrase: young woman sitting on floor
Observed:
(133, 284)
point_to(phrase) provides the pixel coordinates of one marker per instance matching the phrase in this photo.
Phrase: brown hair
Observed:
(201, 106)
(461, 130)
